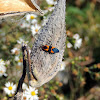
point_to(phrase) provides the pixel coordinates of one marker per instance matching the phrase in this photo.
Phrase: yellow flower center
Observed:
(10, 87)
(1, 71)
(33, 93)
(75, 72)
(24, 98)
(32, 17)
(16, 52)
(1, 60)
(36, 30)
(19, 60)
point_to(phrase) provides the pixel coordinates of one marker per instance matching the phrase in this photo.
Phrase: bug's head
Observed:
(44, 47)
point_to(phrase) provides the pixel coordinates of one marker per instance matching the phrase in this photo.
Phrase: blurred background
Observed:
(79, 76)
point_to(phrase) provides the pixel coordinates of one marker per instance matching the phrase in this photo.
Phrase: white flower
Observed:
(24, 25)
(35, 29)
(76, 36)
(51, 9)
(14, 50)
(2, 63)
(51, 2)
(10, 88)
(69, 45)
(5, 74)
(30, 17)
(34, 21)
(24, 86)
(31, 93)
(63, 65)
(44, 21)
(7, 62)
(25, 97)
(17, 58)
(2, 68)
(2, 71)
(19, 63)
(78, 43)
(20, 41)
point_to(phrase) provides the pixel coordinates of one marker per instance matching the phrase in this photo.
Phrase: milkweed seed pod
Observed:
(18, 7)
(44, 66)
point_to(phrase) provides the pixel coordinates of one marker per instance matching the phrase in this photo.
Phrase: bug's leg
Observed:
(37, 7)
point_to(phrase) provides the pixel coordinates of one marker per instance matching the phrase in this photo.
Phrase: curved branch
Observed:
(19, 92)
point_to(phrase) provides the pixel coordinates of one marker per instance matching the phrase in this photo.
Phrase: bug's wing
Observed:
(55, 50)
(44, 65)
(18, 7)
(53, 47)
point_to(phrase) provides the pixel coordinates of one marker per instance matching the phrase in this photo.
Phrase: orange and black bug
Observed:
(50, 49)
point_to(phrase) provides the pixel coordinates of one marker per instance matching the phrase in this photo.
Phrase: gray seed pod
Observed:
(44, 66)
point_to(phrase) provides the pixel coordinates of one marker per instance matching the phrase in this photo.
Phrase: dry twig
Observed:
(19, 92)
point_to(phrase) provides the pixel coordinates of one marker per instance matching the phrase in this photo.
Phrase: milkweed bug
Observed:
(50, 49)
